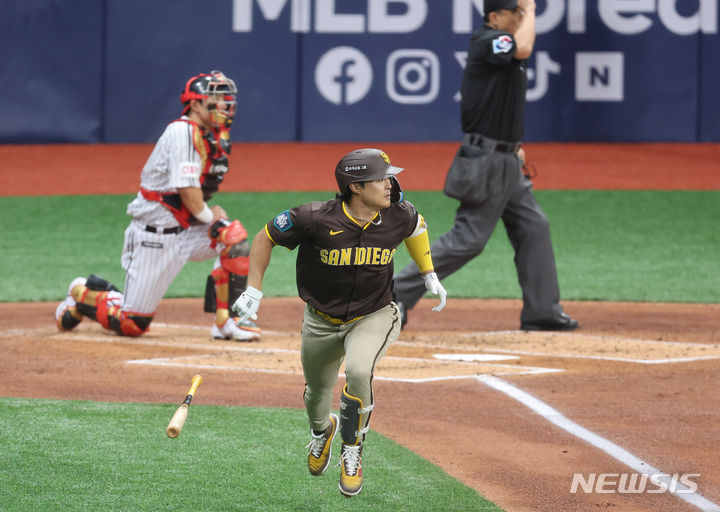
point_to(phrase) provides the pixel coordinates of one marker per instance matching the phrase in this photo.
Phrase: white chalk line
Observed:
(205, 346)
(603, 358)
(615, 451)
(492, 381)
(591, 337)
(237, 347)
(533, 370)
(182, 362)
(572, 356)
(253, 348)
(159, 362)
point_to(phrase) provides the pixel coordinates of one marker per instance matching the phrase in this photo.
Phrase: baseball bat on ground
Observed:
(178, 420)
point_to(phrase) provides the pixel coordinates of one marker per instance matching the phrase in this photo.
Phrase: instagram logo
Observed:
(412, 76)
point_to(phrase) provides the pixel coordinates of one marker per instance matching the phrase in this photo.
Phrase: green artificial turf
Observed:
(609, 245)
(82, 456)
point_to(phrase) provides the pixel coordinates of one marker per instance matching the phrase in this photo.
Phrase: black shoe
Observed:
(562, 322)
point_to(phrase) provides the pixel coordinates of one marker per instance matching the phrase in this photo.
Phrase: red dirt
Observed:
(115, 169)
(665, 414)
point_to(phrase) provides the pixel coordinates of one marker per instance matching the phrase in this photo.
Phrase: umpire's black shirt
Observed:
(493, 87)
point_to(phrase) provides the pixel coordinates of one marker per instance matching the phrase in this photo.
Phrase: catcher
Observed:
(344, 274)
(173, 224)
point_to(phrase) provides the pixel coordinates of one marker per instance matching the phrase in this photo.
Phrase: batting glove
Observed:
(432, 283)
(248, 303)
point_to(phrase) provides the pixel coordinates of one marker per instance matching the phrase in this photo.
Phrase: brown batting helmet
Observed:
(366, 165)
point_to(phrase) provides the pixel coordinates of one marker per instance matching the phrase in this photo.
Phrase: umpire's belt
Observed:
(164, 231)
(476, 139)
(331, 319)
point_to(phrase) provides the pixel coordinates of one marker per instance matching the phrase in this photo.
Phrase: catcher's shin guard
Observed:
(102, 301)
(110, 315)
(236, 285)
(95, 291)
(352, 415)
(210, 305)
(97, 283)
(229, 280)
(128, 324)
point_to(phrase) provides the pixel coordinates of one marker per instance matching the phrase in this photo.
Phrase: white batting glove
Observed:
(432, 283)
(248, 303)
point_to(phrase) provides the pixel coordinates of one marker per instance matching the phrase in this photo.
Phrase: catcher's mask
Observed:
(217, 92)
(367, 165)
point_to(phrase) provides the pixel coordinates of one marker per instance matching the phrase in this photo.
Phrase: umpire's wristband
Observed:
(205, 216)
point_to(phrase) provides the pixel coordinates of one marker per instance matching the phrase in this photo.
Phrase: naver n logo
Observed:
(599, 76)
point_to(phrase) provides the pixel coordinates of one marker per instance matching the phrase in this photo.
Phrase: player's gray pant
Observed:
(510, 198)
(324, 345)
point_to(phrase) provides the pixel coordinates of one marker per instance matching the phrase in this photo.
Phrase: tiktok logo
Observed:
(540, 76)
(343, 75)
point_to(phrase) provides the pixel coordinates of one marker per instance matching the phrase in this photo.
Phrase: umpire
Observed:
(486, 175)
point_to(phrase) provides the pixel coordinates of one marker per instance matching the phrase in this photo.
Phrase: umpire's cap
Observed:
(363, 165)
(497, 5)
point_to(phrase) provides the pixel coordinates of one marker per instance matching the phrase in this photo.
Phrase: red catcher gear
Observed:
(217, 92)
(226, 232)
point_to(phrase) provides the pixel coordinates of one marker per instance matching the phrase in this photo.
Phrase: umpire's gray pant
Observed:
(509, 198)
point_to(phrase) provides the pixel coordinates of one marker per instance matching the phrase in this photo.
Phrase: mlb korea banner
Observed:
(366, 70)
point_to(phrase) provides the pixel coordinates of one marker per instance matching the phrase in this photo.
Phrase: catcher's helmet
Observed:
(212, 88)
(367, 165)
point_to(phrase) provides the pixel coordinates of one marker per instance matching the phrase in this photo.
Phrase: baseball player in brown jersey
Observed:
(173, 224)
(344, 274)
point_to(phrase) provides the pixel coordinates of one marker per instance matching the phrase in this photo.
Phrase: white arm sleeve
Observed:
(420, 227)
(184, 162)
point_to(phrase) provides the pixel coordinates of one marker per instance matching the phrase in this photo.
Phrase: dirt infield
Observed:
(514, 415)
(642, 376)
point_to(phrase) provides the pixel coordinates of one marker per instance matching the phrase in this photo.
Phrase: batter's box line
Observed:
(603, 358)
(571, 356)
(179, 362)
(109, 338)
(591, 337)
(158, 362)
(527, 370)
(205, 328)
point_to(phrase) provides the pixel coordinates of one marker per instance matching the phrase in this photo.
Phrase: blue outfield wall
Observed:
(340, 70)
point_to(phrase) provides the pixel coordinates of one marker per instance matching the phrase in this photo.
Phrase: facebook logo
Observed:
(343, 75)
(599, 76)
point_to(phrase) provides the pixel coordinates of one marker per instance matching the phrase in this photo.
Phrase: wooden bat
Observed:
(178, 420)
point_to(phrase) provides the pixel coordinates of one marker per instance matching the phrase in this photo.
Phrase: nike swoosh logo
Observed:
(333, 233)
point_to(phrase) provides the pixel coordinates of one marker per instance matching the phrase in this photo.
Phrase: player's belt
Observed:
(164, 231)
(332, 319)
(476, 139)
